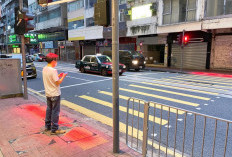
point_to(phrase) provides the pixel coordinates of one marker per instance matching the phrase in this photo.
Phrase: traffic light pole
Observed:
(115, 75)
(23, 57)
(182, 51)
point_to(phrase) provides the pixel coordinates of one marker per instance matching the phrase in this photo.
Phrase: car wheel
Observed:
(120, 74)
(136, 69)
(82, 69)
(127, 68)
(103, 72)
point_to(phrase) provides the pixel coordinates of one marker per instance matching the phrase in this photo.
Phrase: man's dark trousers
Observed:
(52, 113)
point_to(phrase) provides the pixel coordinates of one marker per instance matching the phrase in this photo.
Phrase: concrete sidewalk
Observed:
(22, 125)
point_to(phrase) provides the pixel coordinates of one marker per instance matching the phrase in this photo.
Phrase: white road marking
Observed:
(206, 104)
(77, 78)
(212, 100)
(180, 120)
(217, 97)
(80, 84)
(167, 126)
(154, 135)
(198, 108)
(190, 114)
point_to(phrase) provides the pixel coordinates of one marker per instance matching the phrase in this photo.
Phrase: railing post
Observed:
(145, 128)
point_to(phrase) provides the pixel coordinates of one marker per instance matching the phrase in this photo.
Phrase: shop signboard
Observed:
(14, 39)
(48, 44)
(51, 37)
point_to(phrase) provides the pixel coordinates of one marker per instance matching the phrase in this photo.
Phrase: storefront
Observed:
(195, 55)
(125, 43)
(49, 42)
(154, 49)
(69, 50)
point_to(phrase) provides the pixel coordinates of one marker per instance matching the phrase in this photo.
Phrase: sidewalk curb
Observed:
(1, 155)
(166, 70)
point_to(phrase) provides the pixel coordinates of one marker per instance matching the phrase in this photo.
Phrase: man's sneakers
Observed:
(59, 131)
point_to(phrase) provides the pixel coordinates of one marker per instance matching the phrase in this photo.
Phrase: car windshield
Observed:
(29, 59)
(104, 59)
(135, 53)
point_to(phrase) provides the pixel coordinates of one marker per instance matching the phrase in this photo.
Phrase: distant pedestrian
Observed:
(52, 82)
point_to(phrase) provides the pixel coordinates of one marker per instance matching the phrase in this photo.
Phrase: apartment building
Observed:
(50, 27)
(8, 43)
(208, 25)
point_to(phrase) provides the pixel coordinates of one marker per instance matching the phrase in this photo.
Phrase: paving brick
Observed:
(21, 133)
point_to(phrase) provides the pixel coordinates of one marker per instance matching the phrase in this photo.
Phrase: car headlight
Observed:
(135, 62)
(124, 67)
(145, 62)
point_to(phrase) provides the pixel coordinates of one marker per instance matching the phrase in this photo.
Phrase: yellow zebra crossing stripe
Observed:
(161, 97)
(180, 88)
(35, 92)
(123, 109)
(109, 121)
(136, 101)
(171, 92)
(184, 83)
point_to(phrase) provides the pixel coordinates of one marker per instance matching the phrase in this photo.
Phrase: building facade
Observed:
(50, 27)
(151, 27)
(208, 25)
(7, 26)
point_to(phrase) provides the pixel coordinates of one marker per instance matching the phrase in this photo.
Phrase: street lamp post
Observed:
(115, 75)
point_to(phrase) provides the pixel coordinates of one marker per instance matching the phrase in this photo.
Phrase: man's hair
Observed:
(51, 57)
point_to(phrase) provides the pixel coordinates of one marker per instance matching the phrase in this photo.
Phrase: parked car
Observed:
(39, 57)
(30, 67)
(132, 59)
(99, 64)
(4, 56)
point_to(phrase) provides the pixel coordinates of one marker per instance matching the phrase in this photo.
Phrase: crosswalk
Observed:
(185, 91)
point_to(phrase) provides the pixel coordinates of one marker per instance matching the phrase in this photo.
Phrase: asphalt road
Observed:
(212, 96)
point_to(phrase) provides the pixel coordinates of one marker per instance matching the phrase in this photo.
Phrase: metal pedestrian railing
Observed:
(161, 130)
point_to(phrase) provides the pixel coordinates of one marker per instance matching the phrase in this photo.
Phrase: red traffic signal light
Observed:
(186, 39)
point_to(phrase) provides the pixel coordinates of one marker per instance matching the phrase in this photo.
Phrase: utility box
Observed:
(10, 78)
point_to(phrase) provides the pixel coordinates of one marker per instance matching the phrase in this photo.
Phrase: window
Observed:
(90, 3)
(175, 11)
(89, 22)
(87, 59)
(218, 7)
(94, 60)
(75, 24)
(43, 17)
(122, 1)
(121, 15)
(54, 14)
(73, 6)
(50, 15)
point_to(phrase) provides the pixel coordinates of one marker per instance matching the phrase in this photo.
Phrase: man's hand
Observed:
(62, 75)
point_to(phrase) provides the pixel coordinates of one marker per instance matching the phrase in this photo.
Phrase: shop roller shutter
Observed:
(89, 50)
(194, 56)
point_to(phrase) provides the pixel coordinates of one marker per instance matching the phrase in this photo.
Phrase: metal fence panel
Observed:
(161, 130)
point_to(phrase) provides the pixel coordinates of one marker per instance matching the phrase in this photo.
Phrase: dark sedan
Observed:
(98, 64)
